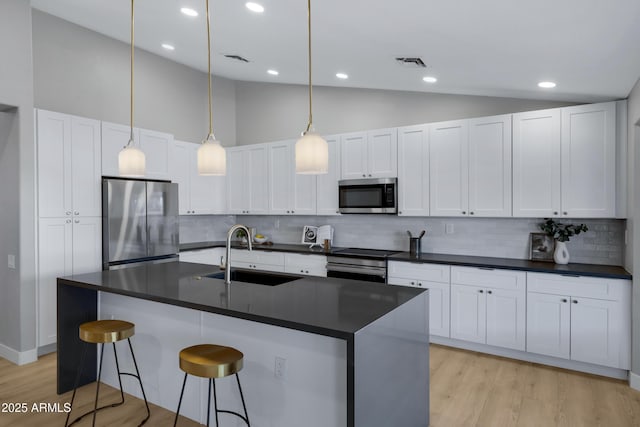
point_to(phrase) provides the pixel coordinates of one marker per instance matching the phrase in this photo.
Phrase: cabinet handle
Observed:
(68, 212)
(471, 213)
(364, 175)
(301, 271)
(575, 301)
(193, 211)
(555, 212)
(337, 211)
(68, 221)
(564, 213)
(400, 213)
(307, 271)
(419, 284)
(77, 221)
(564, 300)
(293, 211)
(287, 211)
(76, 213)
(486, 268)
(489, 292)
(369, 175)
(481, 291)
(464, 212)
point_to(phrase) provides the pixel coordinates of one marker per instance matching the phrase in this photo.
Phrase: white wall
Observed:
(633, 263)
(271, 112)
(81, 72)
(17, 165)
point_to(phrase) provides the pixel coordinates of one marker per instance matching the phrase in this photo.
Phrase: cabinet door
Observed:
(86, 167)
(258, 185)
(589, 160)
(413, 171)
(506, 318)
(181, 165)
(490, 166)
(548, 324)
(114, 137)
(87, 244)
(54, 164)
(327, 184)
(280, 177)
(54, 260)
(536, 164)
(382, 153)
(597, 331)
(449, 168)
(468, 313)
(208, 193)
(439, 302)
(212, 256)
(353, 160)
(156, 147)
(237, 182)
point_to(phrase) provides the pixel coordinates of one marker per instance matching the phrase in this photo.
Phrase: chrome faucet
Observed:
(227, 264)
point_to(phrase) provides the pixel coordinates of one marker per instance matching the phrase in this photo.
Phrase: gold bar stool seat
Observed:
(104, 332)
(212, 361)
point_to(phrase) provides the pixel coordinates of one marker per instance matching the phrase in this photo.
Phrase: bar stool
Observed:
(103, 332)
(212, 361)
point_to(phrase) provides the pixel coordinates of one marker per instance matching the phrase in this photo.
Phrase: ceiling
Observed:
(490, 47)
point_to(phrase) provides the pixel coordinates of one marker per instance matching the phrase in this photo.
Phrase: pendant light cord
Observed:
(310, 123)
(131, 78)
(209, 74)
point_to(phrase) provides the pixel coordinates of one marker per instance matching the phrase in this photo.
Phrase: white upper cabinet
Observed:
(68, 150)
(156, 146)
(198, 195)
(327, 184)
(589, 160)
(536, 164)
(490, 166)
(247, 180)
(370, 154)
(449, 168)
(413, 171)
(289, 193)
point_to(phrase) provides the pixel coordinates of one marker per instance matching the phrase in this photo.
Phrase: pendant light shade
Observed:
(212, 158)
(312, 154)
(131, 160)
(312, 151)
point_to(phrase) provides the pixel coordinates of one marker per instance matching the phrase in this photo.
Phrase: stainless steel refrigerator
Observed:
(139, 222)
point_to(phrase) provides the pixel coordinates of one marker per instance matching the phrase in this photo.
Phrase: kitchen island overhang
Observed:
(384, 329)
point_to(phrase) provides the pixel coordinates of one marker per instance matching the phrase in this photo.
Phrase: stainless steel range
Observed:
(359, 264)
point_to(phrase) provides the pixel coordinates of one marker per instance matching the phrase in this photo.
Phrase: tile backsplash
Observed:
(493, 237)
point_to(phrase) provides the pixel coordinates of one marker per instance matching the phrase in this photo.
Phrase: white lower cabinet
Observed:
(309, 265)
(434, 277)
(65, 246)
(488, 306)
(212, 256)
(585, 319)
(257, 260)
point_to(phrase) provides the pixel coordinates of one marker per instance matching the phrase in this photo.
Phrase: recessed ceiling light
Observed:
(342, 76)
(429, 79)
(273, 72)
(188, 11)
(254, 7)
(546, 85)
(168, 46)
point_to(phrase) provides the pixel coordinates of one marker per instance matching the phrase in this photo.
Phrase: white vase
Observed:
(561, 253)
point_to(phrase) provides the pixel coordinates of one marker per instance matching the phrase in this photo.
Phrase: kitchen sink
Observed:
(259, 277)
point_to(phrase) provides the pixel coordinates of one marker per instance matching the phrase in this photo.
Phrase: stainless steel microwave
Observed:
(374, 195)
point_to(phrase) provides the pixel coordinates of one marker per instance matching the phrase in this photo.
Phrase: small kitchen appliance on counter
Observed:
(415, 244)
(315, 236)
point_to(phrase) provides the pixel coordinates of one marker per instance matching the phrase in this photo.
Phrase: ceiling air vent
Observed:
(237, 58)
(411, 62)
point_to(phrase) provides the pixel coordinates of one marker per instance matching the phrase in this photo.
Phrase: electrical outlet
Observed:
(448, 228)
(11, 261)
(280, 368)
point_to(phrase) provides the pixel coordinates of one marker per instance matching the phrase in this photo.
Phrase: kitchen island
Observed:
(347, 353)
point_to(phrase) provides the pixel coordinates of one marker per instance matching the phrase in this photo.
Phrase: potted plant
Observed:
(561, 234)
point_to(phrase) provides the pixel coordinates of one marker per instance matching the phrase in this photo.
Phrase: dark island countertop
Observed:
(594, 270)
(326, 306)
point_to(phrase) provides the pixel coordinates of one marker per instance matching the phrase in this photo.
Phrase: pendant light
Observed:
(312, 151)
(131, 161)
(212, 159)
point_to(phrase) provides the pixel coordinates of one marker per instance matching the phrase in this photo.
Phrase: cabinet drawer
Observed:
(307, 262)
(489, 278)
(578, 286)
(424, 272)
(257, 257)
(257, 266)
(203, 256)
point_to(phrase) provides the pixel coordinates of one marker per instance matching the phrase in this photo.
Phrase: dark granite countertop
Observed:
(326, 306)
(594, 270)
(276, 247)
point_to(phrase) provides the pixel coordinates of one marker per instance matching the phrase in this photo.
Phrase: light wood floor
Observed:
(467, 389)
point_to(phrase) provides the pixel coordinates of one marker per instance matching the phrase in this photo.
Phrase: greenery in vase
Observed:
(561, 232)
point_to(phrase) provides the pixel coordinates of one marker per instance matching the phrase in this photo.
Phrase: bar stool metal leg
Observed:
(215, 399)
(135, 364)
(75, 388)
(175, 422)
(246, 414)
(95, 405)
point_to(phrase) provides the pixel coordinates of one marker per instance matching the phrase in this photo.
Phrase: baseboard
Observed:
(634, 381)
(18, 357)
(46, 349)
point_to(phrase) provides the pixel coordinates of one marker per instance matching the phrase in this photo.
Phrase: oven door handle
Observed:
(373, 271)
